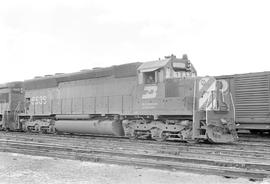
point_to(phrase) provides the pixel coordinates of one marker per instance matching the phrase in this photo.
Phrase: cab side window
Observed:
(149, 77)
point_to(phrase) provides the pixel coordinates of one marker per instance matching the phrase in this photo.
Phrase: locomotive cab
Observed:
(165, 87)
(164, 97)
(175, 104)
(11, 96)
(171, 67)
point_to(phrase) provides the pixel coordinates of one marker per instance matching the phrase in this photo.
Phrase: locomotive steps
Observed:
(238, 160)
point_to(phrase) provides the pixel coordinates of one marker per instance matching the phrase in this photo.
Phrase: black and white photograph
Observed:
(134, 92)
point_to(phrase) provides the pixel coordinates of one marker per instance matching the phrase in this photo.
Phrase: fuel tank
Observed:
(100, 127)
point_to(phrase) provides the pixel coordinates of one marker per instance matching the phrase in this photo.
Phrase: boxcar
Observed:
(251, 94)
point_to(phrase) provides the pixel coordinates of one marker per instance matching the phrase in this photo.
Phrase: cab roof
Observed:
(153, 65)
(157, 64)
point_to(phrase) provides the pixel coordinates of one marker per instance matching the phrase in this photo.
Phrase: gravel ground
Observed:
(22, 169)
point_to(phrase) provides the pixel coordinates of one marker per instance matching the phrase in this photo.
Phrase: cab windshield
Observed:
(170, 73)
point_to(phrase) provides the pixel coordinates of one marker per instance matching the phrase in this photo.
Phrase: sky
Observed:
(38, 38)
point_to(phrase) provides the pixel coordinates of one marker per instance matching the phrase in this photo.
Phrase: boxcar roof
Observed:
(243, 74)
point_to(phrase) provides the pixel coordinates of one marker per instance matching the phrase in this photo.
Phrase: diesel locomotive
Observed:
(161, 100)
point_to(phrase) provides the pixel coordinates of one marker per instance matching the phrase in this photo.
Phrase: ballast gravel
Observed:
(25, 169)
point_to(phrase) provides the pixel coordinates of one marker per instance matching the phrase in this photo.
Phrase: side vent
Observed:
(252, 96)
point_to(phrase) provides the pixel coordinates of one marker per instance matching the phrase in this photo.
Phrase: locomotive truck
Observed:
(162, 100)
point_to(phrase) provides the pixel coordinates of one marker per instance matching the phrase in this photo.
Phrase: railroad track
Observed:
(255, 137)
(242, 149)
(243, 140)
(237, 160)
(241, 145)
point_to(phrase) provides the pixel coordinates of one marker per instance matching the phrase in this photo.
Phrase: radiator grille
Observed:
(252, 96)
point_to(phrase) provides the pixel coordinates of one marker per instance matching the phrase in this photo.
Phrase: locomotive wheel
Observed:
(51, 129)
(37, 128)
(27, 129)
(161, 138)
(131, 134)
(43, 131)
(158, 135)
(58, 132)
(193, 141)
(133, 137)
